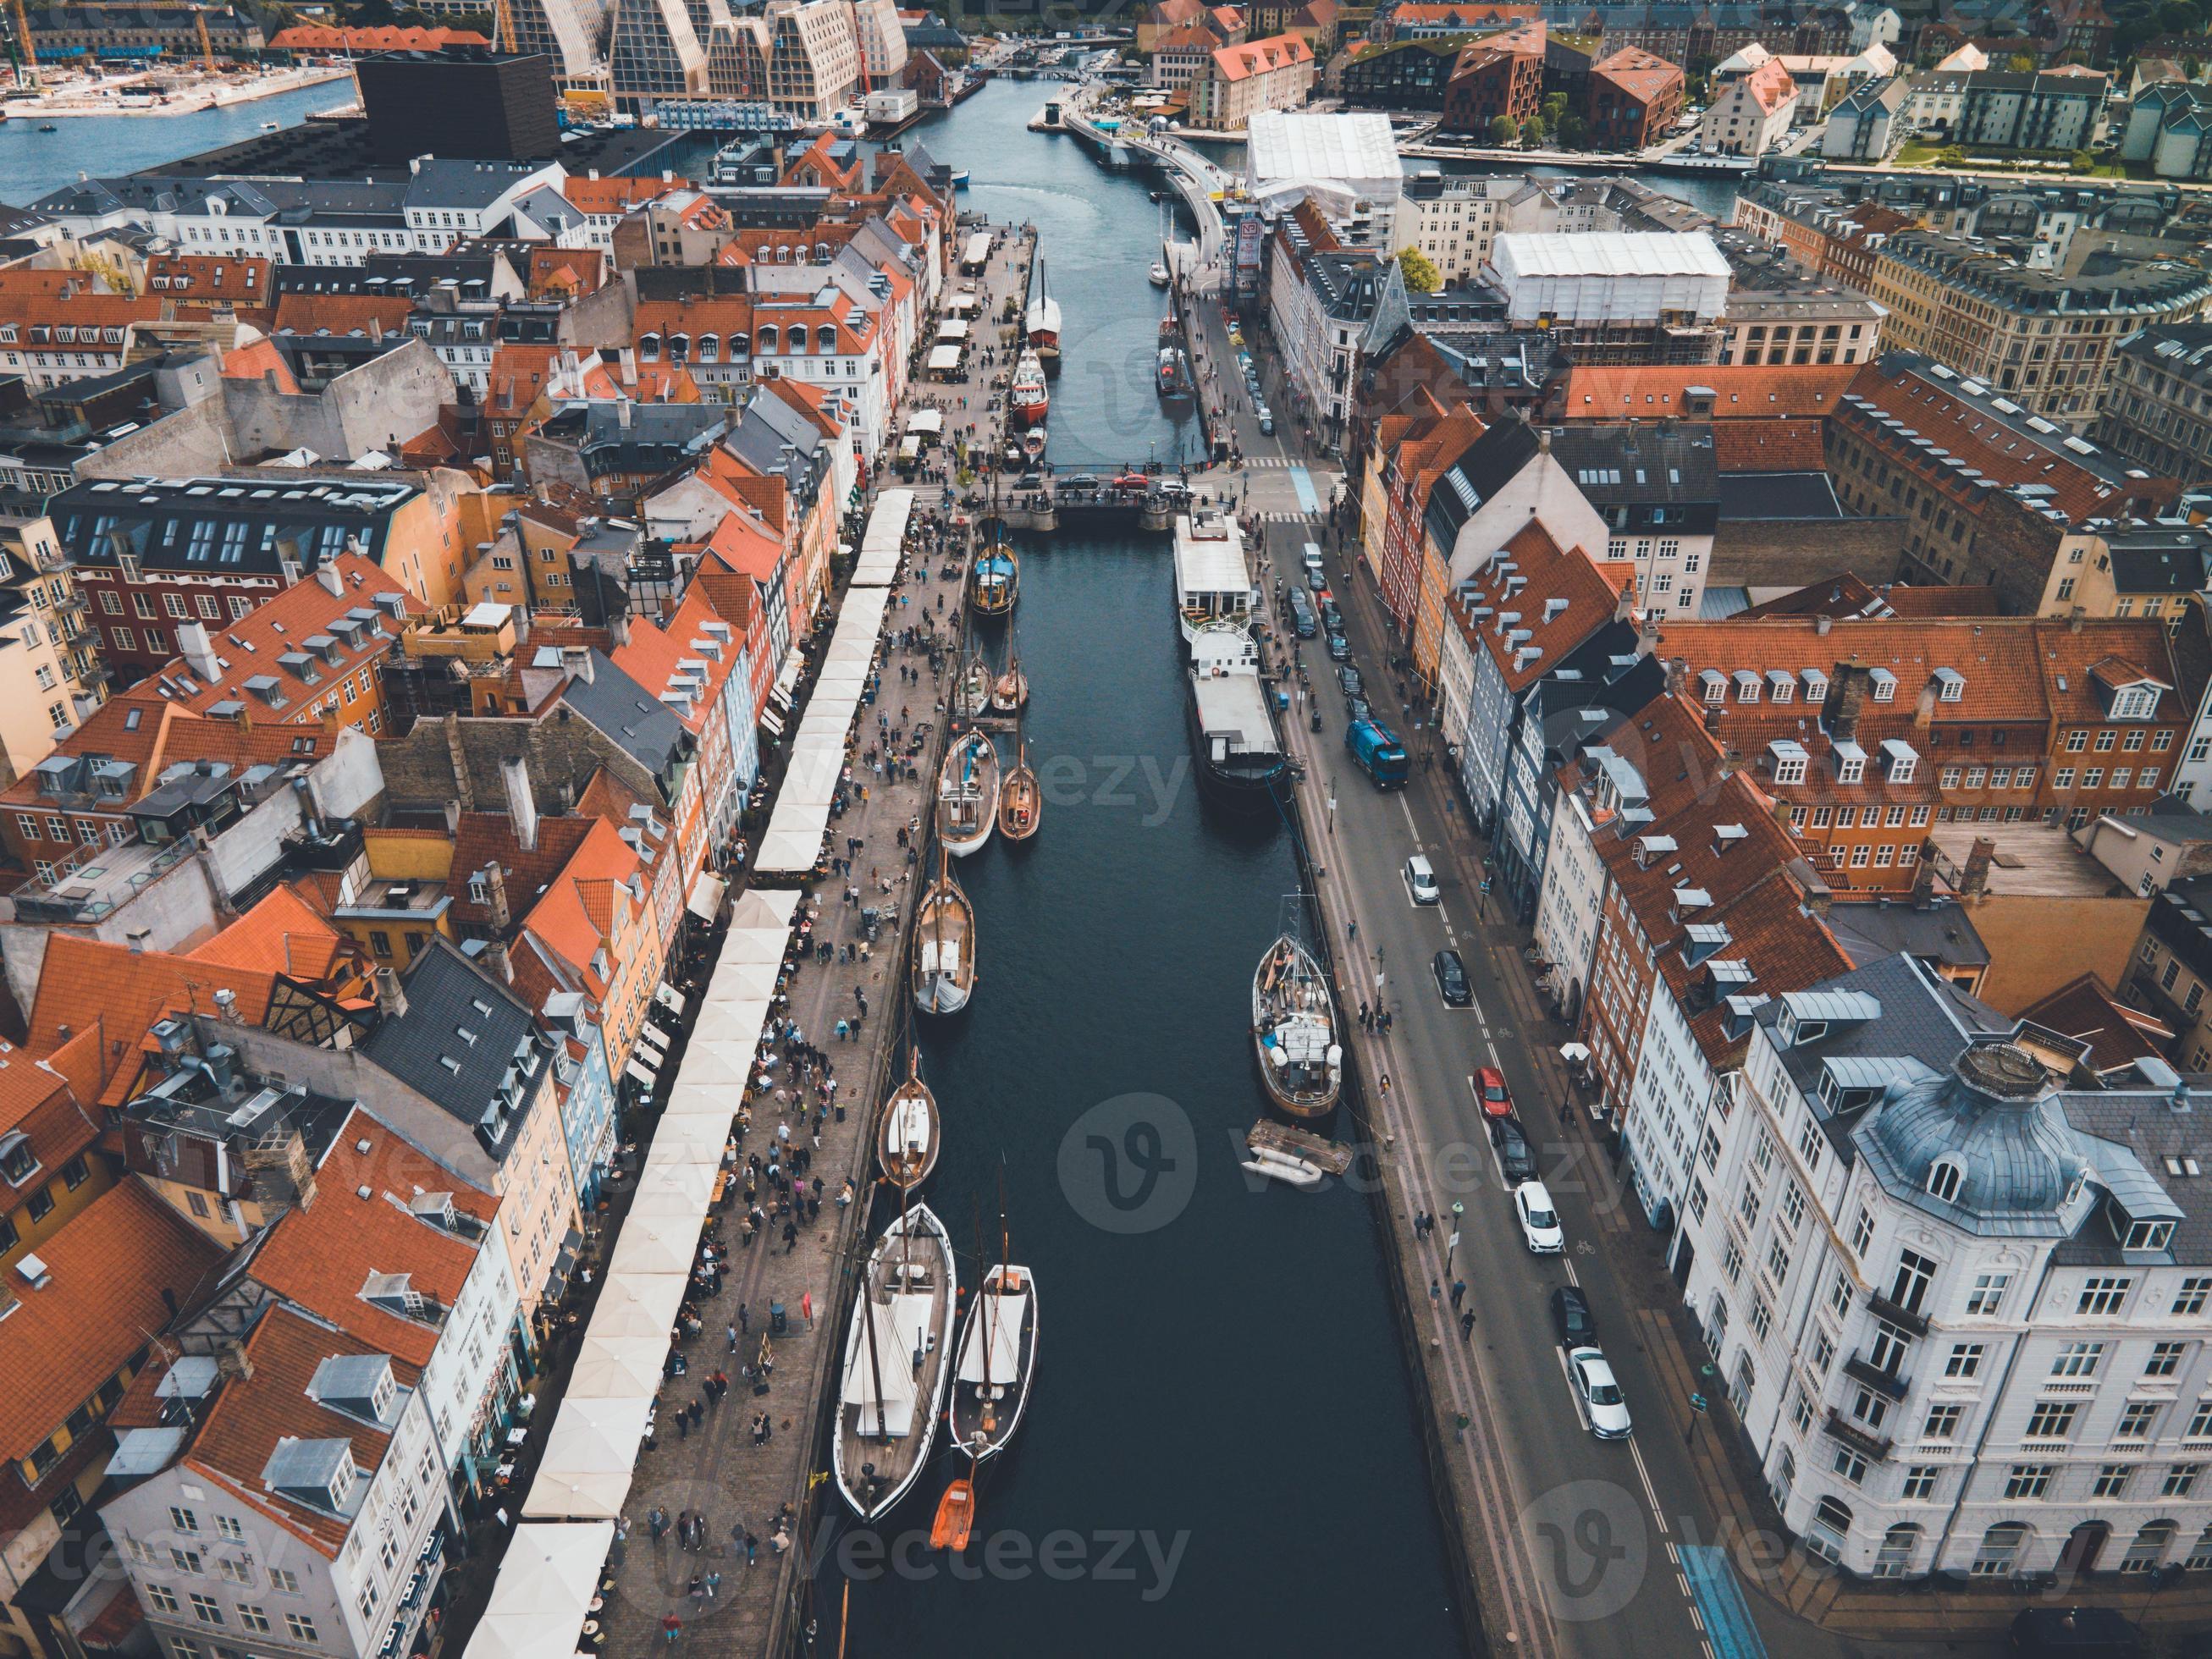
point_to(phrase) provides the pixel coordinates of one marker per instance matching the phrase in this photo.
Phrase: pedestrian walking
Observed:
(1459, 1291)
(745, 1323)
(671, 1627)
(714, 1585)
(1467, 1326)
(1436, 1293)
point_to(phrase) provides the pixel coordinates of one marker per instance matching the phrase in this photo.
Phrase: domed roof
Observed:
(1996, 1118)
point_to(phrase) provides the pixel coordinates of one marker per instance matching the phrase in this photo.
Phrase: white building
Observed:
(1610, 797)
(1960, 1310)
(1608, 276)
(1455, 221)
(297, 1505)
(1752, 114)
(1346, 164)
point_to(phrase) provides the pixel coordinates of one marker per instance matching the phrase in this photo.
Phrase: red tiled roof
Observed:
(317, 37)
(283, 933)
(342, 314)
(616, 196)
(1643, 75)
(236, 277)
(89, 985)
(321, 1256)
(1547, 574)
(1770, 446)
(250, 647)
(1261, 57)
(258, 361)
(102, 1301)
(1603, 391)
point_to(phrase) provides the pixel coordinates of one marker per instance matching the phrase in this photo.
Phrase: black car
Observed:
(1331, 618)
(1514, 1158)
(1348, 677)
(1451, 978)
(1356, 710)
(1339, 650)
(1572, 1317)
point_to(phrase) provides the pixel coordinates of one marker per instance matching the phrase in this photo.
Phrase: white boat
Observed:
(1294, 1029)
(1212, 584)
(906, 1145)
(968, 793)
(997, 1358)
(1027, 396)
(1040, 320)
(896, 1364)
(1282, 1166)
(1158, 273)
(944, 946)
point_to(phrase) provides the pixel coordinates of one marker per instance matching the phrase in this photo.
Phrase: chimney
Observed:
(498, 963)
(390, 997)
(628, 362)
(1822, 623)
(1974, 879)
(193, 644)
(622, 413)
(1924, 878)
(1846, 696)
(521, 805)
(503, 917)
(618, 628)
(326, 572)
(576, 663)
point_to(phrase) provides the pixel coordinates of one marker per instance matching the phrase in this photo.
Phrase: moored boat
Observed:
(1283, 1167)
(1041, 319)
(1020, 802)
(1011, 690)
(1033, 442)
(971, 692)
(968, 794)
(1158, 273)
(906, 1144)
(998, 1360)
(1240, 760)
(897, 1364)
(1027, 397)
(943, 946)
(994, 579)
(1213, 583)
(1294, 1030)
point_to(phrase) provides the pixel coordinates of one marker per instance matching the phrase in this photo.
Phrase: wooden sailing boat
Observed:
(1011, 690)
(971, 693)
(1021, 803)
(944, 946)
(1294, 1029)
(994, 579)
(896, 1362)
(998, 1356)
(907, 1144)
(968, 793)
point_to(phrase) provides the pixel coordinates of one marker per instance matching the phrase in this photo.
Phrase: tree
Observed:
(1420, 273)
(2021, 63)
(1574, 133)
(1555, 109)
(2082, 161)
(1503, 130)
(1532, 130)
(1951, 157)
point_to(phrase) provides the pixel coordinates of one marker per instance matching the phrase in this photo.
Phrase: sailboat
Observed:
(912, 1132)
(968, 794)
(944, 946)
(1041, 322)
(997, 1358)
(971, 692)
(1294, 1029)
(1021, 803)
(895, 1363)
(1027, 397)
(994, 579)
(1011, 690)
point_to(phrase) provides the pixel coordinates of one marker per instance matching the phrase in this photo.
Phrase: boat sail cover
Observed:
(908, 1123)
(1003, 1355)
(940, 956)
(1298, 1042)
(894, 1360)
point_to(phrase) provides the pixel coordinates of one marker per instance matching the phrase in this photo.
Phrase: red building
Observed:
(1501, 76)
(1635, 100)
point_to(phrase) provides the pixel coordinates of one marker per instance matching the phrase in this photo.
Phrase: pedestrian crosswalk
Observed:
(1286, 518)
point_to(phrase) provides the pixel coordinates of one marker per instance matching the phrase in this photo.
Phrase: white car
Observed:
(1603, 1406)
(1539, 1222)
(1420, 880)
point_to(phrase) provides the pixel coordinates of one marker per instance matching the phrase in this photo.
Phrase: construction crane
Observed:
(200, 22)
(502, 28)
(27, 72)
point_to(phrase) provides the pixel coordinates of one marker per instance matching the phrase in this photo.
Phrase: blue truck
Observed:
(1378, 754)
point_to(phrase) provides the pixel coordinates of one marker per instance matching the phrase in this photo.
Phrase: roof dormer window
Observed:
(1746, 685)
(2136, 702)
(1885, 685)
(1950, 685)
(1713, 685)
(1943, 1178)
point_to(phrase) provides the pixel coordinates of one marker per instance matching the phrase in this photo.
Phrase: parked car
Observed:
(1348, 677)
(1331, 618)
(1451, 978)
(1421, 882)
(1356, 709)
(1572, 1317)
(1132, 481)
(1339, 651)
(1082, 483)
(1511, 1144)
(1489, 1088)
(1603, 1408)
(1267, 420)
(1312, 562)
(1539, 1222)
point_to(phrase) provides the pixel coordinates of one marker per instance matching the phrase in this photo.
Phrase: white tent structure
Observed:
(613, 1368)
(1346, 160)
(589, 1459)
(1609, 276)
(792, 842)
(885, 535)
(544, 1589)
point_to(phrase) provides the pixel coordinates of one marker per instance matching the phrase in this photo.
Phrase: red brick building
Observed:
(1501, 76)
(1635, 99)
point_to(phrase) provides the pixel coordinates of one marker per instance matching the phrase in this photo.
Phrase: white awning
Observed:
(643, 1076)
(793, 840)
(655, 1247)
(1003, 1349)
(589, 1458)
(668, 997)
(953, 329)
(616, 1368)
(546, 1581)
(944, 359)
(928, 422)
(707, 892)
(884, 1362)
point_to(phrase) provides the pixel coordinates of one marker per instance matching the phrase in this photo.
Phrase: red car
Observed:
(1490, 1090)
(1132, 481)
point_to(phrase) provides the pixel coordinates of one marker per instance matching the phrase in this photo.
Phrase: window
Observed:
(1908, 1289)
(1920, 1480)
(1823, 1352)
(2165, 1358)
(2000, 1550)
(206, 1610)
(1792, 1212)
(2189, 1297)
(1965, 1360)
(184, 1520)
(2052, 1419)
(2103, 1295)
(282, 1578)
(185, 1560)
(2112, 1480)
(253, 1617)
(163, 1598)
(2180, 1480)
(1849, 1465)
(2137, 1420)
(1944, 1177)
(2077, 1360)
(1987, 1297)
(300, 1627)
(1862, 1232)
(1942, 1422)
(2200, 1422)
(2028, 1481)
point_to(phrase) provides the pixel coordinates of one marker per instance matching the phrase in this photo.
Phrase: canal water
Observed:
(104, 146)
(1221, 1455)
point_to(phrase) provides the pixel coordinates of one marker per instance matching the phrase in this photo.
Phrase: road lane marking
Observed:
(1719, 1598)
(1650, 1492)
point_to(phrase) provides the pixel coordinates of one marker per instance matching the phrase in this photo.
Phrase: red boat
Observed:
(1027, 397)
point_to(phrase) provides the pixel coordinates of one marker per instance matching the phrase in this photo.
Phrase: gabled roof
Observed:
(282, 933)
(1261, 57)
(88, 985)
(634, 719)
(1601, 392)
(1541, 610)
(460, 1034)
(294, 647)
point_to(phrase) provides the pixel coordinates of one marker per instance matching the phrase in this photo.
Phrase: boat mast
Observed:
(875, 1359)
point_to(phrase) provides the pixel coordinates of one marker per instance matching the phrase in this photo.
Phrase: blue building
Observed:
(591, 1118)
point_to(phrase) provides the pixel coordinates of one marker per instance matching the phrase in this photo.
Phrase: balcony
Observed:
(1873, 1447)
(1902, 1318)
(1883, 1383)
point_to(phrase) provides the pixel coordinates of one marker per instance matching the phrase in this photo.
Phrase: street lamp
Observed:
(1451, 1244)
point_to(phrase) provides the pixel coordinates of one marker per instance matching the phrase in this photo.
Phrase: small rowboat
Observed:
(1282, 1166)
(1021, 803)
(956, 1516)
(912, 1131)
